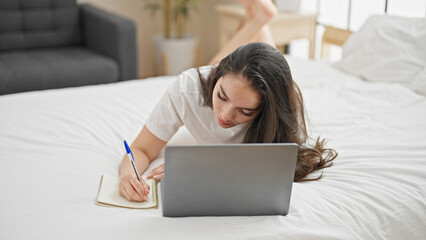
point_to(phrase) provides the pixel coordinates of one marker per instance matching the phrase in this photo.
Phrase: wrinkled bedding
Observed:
(56, 144)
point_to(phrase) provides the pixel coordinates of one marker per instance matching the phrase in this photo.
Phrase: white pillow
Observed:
(388, 49)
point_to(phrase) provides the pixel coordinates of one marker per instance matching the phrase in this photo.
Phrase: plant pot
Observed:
(173, 55)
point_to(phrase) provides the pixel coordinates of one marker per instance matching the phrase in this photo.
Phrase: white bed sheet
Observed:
(55, 145)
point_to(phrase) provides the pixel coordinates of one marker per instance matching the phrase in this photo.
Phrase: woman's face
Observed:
(234, 101)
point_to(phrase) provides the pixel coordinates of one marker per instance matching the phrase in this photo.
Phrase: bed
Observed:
(56, 144)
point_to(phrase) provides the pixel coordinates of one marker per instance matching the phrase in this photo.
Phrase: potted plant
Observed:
(175, 49)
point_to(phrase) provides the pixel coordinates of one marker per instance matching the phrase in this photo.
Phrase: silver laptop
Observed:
(228, 180)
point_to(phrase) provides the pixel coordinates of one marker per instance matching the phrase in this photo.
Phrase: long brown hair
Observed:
(282, 118)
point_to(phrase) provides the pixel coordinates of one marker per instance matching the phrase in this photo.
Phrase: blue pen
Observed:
(131, 159)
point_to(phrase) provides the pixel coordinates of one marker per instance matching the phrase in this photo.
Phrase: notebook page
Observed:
(109, 195)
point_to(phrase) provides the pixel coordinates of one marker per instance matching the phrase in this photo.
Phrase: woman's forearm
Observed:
(141, 162)
(145, 148)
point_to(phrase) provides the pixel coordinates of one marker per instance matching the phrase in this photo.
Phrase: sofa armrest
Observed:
(113, 36)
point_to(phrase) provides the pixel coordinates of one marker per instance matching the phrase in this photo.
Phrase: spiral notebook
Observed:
(109, 196)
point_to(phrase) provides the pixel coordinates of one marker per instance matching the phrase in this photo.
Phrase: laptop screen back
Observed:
(228, 180)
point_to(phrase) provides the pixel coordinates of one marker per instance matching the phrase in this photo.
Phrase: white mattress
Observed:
(56, 144)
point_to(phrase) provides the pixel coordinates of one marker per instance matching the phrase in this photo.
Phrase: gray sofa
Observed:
(48, 44)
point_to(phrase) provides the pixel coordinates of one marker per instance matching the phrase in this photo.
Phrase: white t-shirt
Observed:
(182, 104)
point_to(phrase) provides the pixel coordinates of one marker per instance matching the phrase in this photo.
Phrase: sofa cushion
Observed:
(29, 24)
(54, 68)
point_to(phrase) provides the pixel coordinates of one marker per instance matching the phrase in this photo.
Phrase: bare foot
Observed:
(261, 10)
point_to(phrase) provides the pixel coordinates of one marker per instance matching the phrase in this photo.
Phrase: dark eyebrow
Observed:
(248, 109)
(251, 109)
(223, 92)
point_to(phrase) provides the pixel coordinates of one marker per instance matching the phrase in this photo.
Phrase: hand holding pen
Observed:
(132, 186)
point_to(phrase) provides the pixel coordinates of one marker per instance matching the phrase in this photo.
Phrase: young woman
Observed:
(249, 97)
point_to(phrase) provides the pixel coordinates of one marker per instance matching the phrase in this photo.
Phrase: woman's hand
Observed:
(145, 148)
(132, 189)
(156, 173)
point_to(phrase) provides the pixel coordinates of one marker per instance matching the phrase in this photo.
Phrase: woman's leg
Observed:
(258, 14)
(265, 35)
